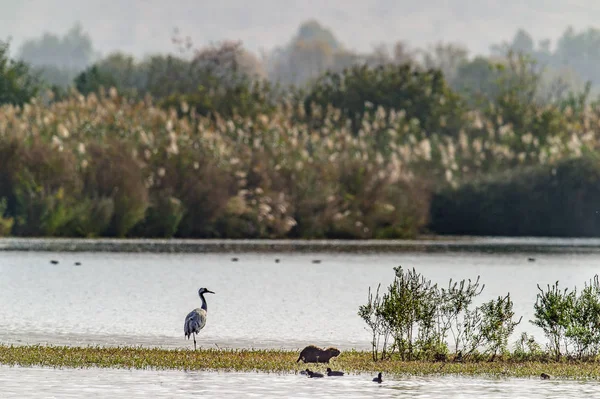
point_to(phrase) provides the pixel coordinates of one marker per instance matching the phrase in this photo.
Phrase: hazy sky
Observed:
(143, 26)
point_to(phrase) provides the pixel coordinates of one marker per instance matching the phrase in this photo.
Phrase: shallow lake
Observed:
(142, 299)
(37, 382)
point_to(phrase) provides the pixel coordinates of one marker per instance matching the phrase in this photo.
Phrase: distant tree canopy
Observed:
(431, 85)
(422, 94)
(477, 79)
(313, 50)
(219, 79)
(59, 59)
(72, 51)
(313, 31)
(578, 51)
(17, 83)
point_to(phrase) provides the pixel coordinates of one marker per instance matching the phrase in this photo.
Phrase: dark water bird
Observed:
(459, 357)
(277, 260)
(196, 319)
(378, 379)
(316, 261)
(544, 376)
(313, 374)
(234, 259)
(314, 354)
(54, 262)
(331, 373)
(77, 263)
(531, 259)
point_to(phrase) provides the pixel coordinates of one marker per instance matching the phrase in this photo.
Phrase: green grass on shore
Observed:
(275, 361)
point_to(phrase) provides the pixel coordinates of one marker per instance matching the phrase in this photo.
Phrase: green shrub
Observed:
(414, 318)
(162, 218)
(92, 79)
(584, 329)
(553, 312)
(423, 95)
(112, 172)
(497, 324)
(6, 223)
(91, 217)
(17, 83)
(547, 200)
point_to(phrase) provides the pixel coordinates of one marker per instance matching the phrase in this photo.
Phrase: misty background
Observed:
(143, 26)
(62, 38)
(392, 119)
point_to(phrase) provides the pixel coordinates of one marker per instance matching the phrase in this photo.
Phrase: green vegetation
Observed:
(557, 199)
(209, 145)
(417, 320)
(279, 361)
(422, 95)
(17, 82)
(418, 329)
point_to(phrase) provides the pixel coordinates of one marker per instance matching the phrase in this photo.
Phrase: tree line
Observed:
(381, 145)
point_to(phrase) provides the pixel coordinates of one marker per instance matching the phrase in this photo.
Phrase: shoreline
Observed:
(428, 244)
(277, 361)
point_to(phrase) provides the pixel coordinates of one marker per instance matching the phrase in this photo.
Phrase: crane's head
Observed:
(204, 291)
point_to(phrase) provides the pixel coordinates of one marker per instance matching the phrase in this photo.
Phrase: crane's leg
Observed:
(194, 340)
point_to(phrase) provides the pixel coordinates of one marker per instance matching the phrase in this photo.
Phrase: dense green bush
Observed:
(423, 95)
(93, 78)
(415, 319)
(558, 199)
(18, 84)
(570, 321)
(217, 80)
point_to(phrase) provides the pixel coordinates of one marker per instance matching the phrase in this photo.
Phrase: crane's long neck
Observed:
(203, 302)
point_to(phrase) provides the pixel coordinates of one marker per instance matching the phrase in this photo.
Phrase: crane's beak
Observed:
(209, 291)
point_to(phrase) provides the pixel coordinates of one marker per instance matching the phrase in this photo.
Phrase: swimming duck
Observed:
(334, 373)
(378, 379)
(313, 374)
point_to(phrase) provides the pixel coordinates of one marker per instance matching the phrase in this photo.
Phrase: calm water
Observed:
(128, 299)
(51, 383)
(141, 298)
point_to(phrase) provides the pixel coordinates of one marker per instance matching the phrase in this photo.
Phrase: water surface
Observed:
(142, 298)
(37, 382)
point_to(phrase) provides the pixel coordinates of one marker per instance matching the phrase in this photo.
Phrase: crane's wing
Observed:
(194, 322)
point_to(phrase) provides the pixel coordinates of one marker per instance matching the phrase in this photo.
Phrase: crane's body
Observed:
(196, 319)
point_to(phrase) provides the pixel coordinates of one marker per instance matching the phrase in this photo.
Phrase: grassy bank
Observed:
(276, 361)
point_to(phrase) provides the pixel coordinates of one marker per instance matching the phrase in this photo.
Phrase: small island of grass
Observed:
(282, 361)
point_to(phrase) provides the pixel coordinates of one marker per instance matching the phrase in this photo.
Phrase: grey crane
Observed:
(196, 319)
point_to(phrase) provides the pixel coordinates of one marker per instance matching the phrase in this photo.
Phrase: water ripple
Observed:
(18, 382)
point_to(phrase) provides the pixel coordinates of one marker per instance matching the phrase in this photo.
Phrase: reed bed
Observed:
(278, 361)
(105, 165)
